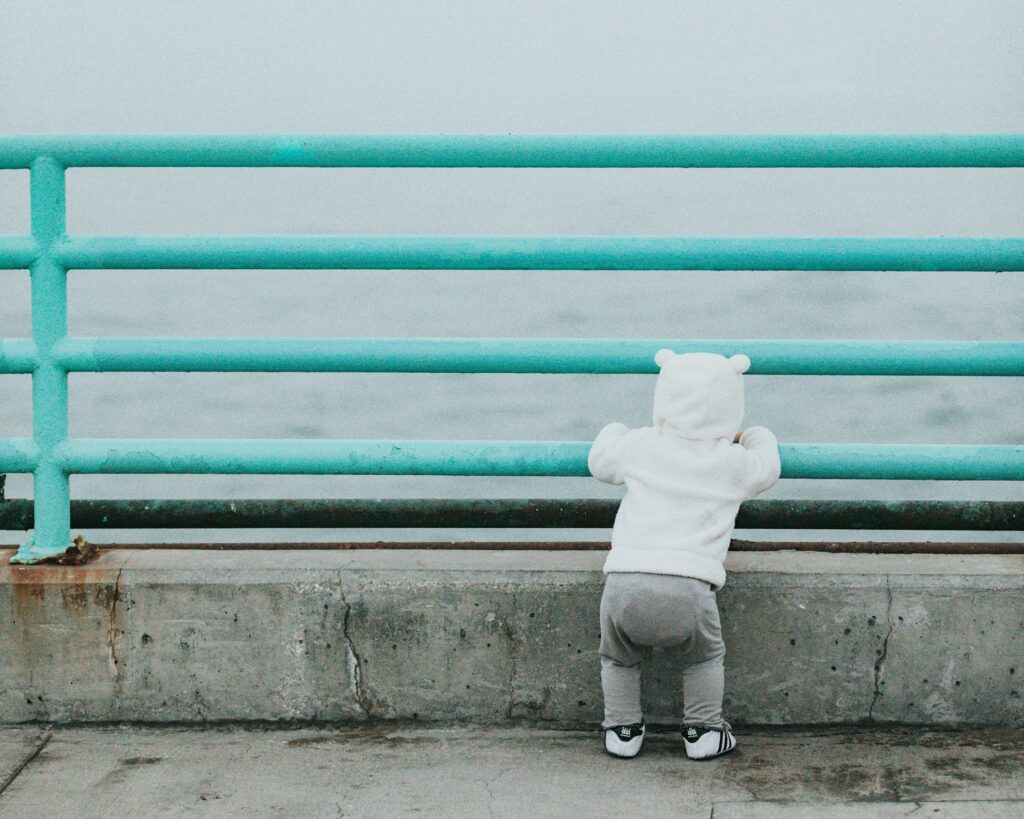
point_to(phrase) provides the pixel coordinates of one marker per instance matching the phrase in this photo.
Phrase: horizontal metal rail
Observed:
(49, 253)
(17, 252)
(17, 355)
(531, 513)
(482, 458)
(840, 547)
(825, 253)
(498, 458)
(18, 455)
(1000, 150)
(515, 355)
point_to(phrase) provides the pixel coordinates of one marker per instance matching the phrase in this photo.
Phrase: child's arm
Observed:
(762, 463)
(606, 454)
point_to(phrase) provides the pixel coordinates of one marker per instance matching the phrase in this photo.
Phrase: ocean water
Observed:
(590, 304)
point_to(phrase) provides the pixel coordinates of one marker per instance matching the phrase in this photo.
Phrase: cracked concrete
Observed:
(386, 770)
(354, 662)
(513, 653)
(883, 652)
(115, 665)
(492, 637)
(18, 747)
(489, 787)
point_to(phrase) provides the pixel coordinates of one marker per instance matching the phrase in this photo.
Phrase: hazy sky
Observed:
(514, 66)
(517, 67)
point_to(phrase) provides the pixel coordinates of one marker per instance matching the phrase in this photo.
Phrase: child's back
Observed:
(685, 479)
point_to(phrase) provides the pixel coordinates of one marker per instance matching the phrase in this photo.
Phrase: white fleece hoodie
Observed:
(685, 478)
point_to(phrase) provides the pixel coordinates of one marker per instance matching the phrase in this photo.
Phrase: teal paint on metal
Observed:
(905, 462)
(17, 355)
(537, 458)
(17, 252)
(541, 253)
(327, 457)
(519, 355)
(999, 150)
(51, 485)
(49, 355)
(18, 455)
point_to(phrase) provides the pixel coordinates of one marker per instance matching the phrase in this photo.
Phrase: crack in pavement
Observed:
(487, 783)
(27, 761)
(490, 798)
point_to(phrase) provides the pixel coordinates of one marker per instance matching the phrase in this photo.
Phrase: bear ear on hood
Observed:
(740, 363)
(663, 356)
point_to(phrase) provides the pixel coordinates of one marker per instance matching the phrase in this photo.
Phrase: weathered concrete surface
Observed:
(17, 747)
(490, 636)
(383, 771)
(867, 810)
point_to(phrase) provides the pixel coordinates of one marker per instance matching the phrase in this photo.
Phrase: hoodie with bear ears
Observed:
(685, 478)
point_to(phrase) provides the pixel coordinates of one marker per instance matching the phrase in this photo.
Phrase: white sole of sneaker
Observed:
(711, 746)
(619, 749)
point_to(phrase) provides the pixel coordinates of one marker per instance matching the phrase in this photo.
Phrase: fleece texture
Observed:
(685, 478)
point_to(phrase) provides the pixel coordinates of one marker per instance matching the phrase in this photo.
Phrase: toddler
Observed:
(685, 479)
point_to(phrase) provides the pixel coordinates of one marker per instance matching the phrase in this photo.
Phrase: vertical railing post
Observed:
(52, 493)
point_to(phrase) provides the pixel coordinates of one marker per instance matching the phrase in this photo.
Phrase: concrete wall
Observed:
(491, 636)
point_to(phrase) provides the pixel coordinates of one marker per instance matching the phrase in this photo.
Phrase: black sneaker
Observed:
(703, 742)
(624, 741)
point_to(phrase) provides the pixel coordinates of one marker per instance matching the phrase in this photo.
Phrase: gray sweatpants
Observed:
(640, 610)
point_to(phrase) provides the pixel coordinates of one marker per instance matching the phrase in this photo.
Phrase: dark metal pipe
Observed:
(861, 547)
(574, 513)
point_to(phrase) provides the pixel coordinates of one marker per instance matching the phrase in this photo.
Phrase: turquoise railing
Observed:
(48, 253)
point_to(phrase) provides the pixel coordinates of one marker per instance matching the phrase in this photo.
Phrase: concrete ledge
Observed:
(486, 637)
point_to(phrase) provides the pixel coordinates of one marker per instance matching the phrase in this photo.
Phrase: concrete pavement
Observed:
(387, 770)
